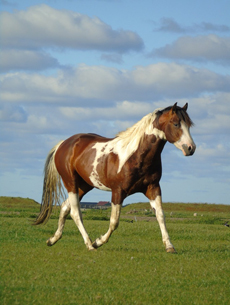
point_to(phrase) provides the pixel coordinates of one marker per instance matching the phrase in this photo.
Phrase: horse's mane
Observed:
(134, 135)
(129, 140)
(136, 132)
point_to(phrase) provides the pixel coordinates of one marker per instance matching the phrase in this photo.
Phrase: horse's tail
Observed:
(52, 187)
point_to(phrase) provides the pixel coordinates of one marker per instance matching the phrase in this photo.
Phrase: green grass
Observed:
(133, 268)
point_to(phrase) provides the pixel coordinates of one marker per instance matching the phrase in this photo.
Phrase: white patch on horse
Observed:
(101, 150)
(124, 145)
(186, 137)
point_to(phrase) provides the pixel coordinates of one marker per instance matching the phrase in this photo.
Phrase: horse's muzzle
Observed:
(188, 150)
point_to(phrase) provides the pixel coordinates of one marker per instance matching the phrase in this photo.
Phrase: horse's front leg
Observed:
(154, 195)
(114, 222)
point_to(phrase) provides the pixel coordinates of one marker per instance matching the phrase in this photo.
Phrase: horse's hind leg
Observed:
(76, 215)
(114, 222)
(64, 212)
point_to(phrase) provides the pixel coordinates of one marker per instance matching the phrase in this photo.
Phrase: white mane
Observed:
(128, 141)
(136, 132)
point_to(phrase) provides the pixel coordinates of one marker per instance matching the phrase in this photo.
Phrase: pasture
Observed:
(133, 268)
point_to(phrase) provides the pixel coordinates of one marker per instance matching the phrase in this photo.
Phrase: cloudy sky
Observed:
(100, 66)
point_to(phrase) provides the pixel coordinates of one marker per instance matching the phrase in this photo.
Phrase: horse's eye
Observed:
(176, 125)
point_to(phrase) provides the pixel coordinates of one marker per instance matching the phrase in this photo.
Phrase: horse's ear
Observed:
(185, 107)
(173, 108)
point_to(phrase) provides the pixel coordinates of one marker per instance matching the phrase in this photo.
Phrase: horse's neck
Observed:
(151, 148)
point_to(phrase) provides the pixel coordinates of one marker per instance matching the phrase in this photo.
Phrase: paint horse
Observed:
(124, 165)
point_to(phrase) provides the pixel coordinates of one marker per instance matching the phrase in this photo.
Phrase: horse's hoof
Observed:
(48, 242)
(171, 250)
(94, 244)
(92, 249)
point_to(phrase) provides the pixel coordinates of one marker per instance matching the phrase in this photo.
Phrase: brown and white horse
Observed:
(124, 165)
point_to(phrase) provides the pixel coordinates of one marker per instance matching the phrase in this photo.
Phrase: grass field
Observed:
(133, 268)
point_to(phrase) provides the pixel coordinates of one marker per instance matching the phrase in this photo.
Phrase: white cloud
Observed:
(214, 124)
(209, 113)
(98, 85)
(115, 58)
(172, 26)
(12, 113)
(169, 25)
(199, 48)
(26, 60)
(44, 27)
(212, 113)
(125, 109)
(206, 151)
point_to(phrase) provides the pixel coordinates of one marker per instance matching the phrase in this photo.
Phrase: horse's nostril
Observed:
(188, 150)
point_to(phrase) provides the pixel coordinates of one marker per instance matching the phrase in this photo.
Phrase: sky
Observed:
(79, 66)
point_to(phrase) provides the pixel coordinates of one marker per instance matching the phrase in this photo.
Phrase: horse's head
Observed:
(176, 123)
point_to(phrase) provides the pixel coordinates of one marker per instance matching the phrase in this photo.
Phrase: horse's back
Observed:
(81, 140)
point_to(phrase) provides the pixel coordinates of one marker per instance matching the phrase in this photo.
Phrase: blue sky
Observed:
(100, 66)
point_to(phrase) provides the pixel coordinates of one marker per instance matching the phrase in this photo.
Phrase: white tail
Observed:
(52, 187)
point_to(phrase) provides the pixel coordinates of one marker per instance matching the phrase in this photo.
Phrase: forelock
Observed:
(181, 113)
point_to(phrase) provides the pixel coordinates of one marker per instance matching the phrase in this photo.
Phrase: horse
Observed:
(126, 164)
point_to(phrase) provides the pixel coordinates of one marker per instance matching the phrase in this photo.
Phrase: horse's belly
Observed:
(94, 178)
